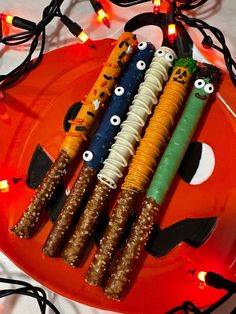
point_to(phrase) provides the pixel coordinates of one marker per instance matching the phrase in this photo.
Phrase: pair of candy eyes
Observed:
(208, 88)
(141, 65)
(88, 155)
(161, 53)
(158, 53)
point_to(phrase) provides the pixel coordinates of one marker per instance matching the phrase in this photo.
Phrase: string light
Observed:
(4, 186)
(201, 275)
(102, 16)
(99, 9)
(18, 22)
(156, 6)
(83, 37)
(171, 21)
(6, 18)
(76, 30)
(214, 280)
(172, 33)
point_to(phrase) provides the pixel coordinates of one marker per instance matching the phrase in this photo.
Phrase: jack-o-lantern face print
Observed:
(181, 75)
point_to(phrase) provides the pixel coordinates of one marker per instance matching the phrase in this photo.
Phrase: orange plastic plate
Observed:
(32, 112)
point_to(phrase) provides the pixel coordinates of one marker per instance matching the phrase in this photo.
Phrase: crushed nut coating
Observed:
(86, 224)
(120, 276)
(26, 225)
(111, 238)
(63, 224)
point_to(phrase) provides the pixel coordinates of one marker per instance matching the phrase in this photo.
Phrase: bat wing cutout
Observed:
(193, 231)
(71, 115)
(39, 165)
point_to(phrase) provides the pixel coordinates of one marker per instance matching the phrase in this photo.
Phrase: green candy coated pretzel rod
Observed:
(182, 135)
(161, 182)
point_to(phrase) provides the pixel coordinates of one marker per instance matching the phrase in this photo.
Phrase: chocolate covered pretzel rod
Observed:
(120, 152)
(160, 184)
(97, 97)
(99, 145)
(143, 165)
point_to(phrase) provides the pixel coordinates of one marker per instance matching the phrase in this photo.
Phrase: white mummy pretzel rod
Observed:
(131, 128)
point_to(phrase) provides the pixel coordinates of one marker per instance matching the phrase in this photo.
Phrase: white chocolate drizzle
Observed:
(142, 105)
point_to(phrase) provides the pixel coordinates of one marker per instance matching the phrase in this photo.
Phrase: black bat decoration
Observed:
(39, 165)
(193, 231)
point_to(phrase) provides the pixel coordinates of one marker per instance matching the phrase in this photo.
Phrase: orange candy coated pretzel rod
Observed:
(97, 97)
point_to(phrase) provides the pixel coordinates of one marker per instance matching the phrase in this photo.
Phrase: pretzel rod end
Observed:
(62, 226)
(111, 238)
(26, 226)
(120, 276)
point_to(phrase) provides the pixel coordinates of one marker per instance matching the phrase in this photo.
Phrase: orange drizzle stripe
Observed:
(107, 91)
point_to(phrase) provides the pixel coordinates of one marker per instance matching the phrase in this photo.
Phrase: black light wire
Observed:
(189, 307)
(207, 40)
(127, 3)
(188, 6)
(39, 33)
(40, 295)
(28, 290)
(200, 25)
(217, 304)
(53, 10)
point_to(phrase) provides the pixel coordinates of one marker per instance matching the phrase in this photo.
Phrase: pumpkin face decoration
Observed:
(181, 75)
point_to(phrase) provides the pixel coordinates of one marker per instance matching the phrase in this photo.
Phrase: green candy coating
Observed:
(187, 63)
(178, 144)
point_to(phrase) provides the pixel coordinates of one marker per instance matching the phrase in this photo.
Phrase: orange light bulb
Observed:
(156, 6)
(172, 33)
(6, 18)
(4, 186)
(201, 275)
(9, 19)
(103, 17)
(83, 37)
(171, 29)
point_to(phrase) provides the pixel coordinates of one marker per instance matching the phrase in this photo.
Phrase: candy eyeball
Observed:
(142, 45)
(115, 120)
(119, 91)
(141, 65)
(160, 53)
(209, 88)
(200, 83)
(87, 155)
(169, 57)
(167, 53)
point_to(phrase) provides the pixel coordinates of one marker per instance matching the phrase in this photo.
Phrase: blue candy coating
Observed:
(118, 106)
